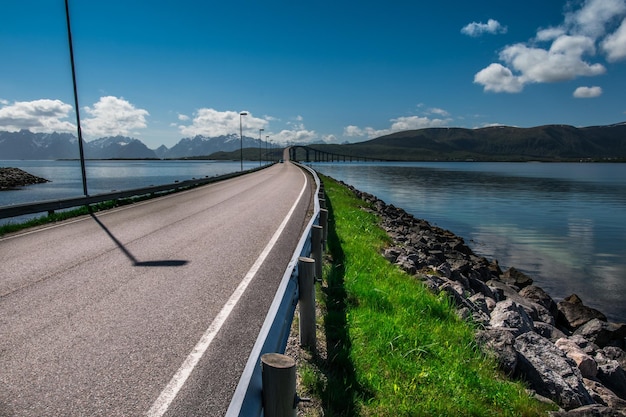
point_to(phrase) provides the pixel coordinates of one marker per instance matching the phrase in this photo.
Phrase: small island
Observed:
(11, 178)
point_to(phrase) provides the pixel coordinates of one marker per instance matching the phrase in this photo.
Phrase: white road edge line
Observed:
(161, 405)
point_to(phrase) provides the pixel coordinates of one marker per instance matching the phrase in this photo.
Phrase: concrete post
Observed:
(306, 301)
(278, 374)
(317, 249)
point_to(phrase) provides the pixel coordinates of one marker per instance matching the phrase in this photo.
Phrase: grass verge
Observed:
(392, 347)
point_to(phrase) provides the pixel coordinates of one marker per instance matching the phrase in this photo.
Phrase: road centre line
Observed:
(169, 393)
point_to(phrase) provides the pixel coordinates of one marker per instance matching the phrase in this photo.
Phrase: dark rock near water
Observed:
(566, 351)
(15, 177)
(517, 278)
(573, 313)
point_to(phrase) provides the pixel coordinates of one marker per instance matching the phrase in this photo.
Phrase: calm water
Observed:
(106, 176)
(562, 224)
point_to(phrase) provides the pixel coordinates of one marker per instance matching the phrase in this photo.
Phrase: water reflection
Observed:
(561, 223)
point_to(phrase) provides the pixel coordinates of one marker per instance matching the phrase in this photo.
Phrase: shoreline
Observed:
(566, 351)
(11, 178)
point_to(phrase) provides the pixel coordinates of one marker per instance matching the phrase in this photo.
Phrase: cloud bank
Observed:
(561, 53)
(399, 124)
(38, 116)
(110, 116)
(210, 122)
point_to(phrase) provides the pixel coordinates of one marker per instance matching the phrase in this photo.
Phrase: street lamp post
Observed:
(267, 139)
(243, 113)
(260, 145)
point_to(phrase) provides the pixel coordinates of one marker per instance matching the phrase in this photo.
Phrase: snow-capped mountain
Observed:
(27, 145)
(117, 147)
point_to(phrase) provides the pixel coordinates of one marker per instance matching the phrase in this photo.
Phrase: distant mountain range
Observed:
(501, 143)
(27, 145)
(551, 142)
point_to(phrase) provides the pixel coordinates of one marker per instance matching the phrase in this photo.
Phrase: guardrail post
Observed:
(306, 282)
(324, 224)
(278, 377)
(322, 203)
(317, 249)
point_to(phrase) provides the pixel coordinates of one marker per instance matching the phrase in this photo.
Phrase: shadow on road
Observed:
(167, 263)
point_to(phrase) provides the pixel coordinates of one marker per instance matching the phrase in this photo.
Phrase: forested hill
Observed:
(551, 142)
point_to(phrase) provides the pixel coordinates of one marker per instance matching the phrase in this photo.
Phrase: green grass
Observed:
(395, 349)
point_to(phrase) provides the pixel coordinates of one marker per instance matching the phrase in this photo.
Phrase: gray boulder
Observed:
(603, 395)
(509, 315)
(593, 410)
(586, 364)
(550, 372)
(613, 377)
(603, 333)
(517, 278)
(499, 343)
(548, 331)
(538, 295)
(573, 313)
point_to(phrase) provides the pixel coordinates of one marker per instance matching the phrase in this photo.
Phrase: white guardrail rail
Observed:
(247, 400)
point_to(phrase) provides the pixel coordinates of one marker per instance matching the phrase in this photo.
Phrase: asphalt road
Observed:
(98, 314)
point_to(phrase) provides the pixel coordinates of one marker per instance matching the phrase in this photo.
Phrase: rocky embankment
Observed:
(15, 177)
(567, 352)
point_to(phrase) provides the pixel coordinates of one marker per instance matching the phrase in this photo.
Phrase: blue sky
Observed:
(330, 71)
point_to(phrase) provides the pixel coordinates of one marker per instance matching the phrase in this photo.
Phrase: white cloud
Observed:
(183, 117)
(439, 112)
(588, 92)
(615, 44)
(563, 61)
(211, 123)
(38, 116)
(476, 29)
(572, 45)
(112, 116)
(549, 34)
(397, 125)
(594, 16)
(498, 79)
(294, 136)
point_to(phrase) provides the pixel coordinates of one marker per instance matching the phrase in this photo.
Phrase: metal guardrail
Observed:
(247, 400)
(53, 205)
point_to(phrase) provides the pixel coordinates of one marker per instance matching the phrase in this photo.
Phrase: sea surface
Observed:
(106, 176)
(563, 224)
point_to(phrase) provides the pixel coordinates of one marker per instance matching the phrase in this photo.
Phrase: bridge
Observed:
(310, 154)
(159, 308)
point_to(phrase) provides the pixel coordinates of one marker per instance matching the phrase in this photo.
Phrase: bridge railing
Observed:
(247, 400)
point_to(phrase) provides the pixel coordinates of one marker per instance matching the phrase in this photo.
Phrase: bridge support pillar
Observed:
(306, 301)
(278, 375)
